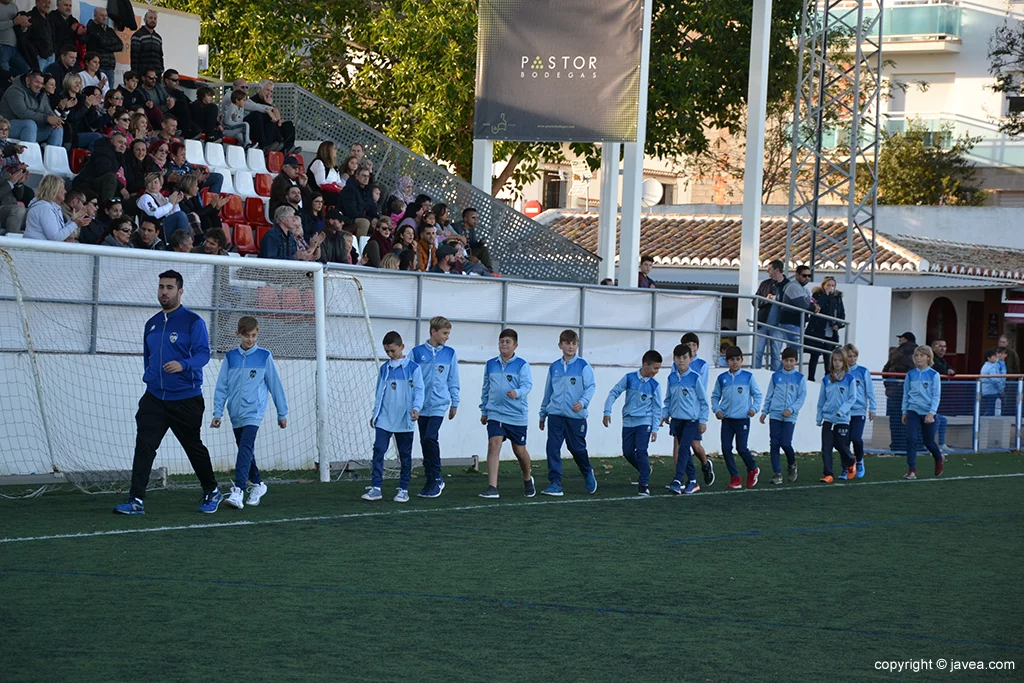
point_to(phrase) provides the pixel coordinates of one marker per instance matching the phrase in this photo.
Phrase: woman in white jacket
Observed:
(165, 209)
(45, 220)
(326, 177)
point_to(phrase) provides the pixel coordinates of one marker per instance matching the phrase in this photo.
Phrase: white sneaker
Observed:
(945, 450)
(256, 492)
(402, 496)
(372, 493)
(234, 499)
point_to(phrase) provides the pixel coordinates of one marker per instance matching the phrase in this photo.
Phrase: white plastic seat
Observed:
(228, 187)
(236, 158)
(244, 185)
(33, 157)
(257, 161)
(194, 152)
(56, 161)
(215, 155)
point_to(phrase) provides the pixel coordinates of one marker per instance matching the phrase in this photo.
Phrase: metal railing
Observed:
(972, 417)
(522, 247)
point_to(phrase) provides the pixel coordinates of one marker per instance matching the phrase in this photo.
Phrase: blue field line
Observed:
(683, 501)
(518, 604)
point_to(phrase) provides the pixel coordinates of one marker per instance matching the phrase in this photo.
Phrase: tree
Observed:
(407, 68)
(1006, 63)
(914, 170)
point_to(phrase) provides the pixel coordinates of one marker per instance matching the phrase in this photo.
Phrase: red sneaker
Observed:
(734, 483)
(940, 464)
(752, 477)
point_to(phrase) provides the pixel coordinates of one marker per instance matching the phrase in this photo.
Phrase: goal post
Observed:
(71, 328)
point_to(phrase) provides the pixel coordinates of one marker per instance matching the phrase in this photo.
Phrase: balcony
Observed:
(922, 26)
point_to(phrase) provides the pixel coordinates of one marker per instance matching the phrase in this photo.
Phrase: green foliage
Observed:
(407, 68)
(919, 167)
(1006, 63)
(300, 41)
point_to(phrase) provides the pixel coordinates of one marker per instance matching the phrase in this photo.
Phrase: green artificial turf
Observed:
(800, 582)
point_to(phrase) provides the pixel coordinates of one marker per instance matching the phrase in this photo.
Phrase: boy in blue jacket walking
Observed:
(864, 407)
(440, 368)
(641, 415)
(398, 404)
(785, 396)
(504, 408)
(835, 401)
(921, 395)
(247, 375)
(734, 400)
(700, 366)
(568, 392)
(686, 412)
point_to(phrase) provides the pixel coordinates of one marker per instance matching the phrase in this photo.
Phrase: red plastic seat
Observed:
(78, 159)
(233, 212)
(228, 140)
(263, 182)
(254, 212)
(261, 231)
(244, 242)
(275, 161)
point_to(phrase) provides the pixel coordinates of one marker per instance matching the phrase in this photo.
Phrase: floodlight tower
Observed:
(839, 85)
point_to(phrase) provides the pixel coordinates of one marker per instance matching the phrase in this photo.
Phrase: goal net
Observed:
(71, 330)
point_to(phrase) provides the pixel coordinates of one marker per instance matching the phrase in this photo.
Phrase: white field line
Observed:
(485, 506)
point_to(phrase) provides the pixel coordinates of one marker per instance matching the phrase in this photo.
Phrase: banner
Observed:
(558, 70)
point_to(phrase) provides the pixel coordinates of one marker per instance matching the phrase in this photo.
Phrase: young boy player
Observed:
(398, 404)
(641, 415)
(248, 376)
(505, 410)
(440, 369)
(786, 394)
(686, 409)
(735, 399)
(700, 366)
(567, 394)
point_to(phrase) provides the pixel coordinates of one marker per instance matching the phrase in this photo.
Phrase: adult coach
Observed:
(176, 346)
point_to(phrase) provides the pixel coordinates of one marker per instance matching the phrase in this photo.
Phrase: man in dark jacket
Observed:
(65, 26)
(102, 173)
(337, 246)
(766, 310)
(356, 202)
(39, 36)
(28, 109)
(147, 47)
(279, 242)
(104, 41)
(289, 177)
(66, 63)
(907, 343)
(12, 191)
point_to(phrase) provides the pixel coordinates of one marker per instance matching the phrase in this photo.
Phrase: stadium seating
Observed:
(229, 186)
(275, 162)
(78, 159)
(56, 161)
(243, 239)
(236, 158)
(255, 211)
(33, 158)
(244, 184)
(257, 161)
(233, 212)
(263, 183)
(194, 153)
(215, 155)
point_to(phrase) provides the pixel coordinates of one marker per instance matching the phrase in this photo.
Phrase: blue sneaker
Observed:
(430, 491)
(529, 490)
(211, 501)
(675, 487)
(860, 469)
(842, 475)
(591, 482)
(692, 487)
(132, 506)
(552, 490)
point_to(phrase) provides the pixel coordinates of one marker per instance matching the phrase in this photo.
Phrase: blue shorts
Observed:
(514, 433)
(686, 431)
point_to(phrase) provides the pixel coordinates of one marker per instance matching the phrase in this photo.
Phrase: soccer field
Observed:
(801, 582)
